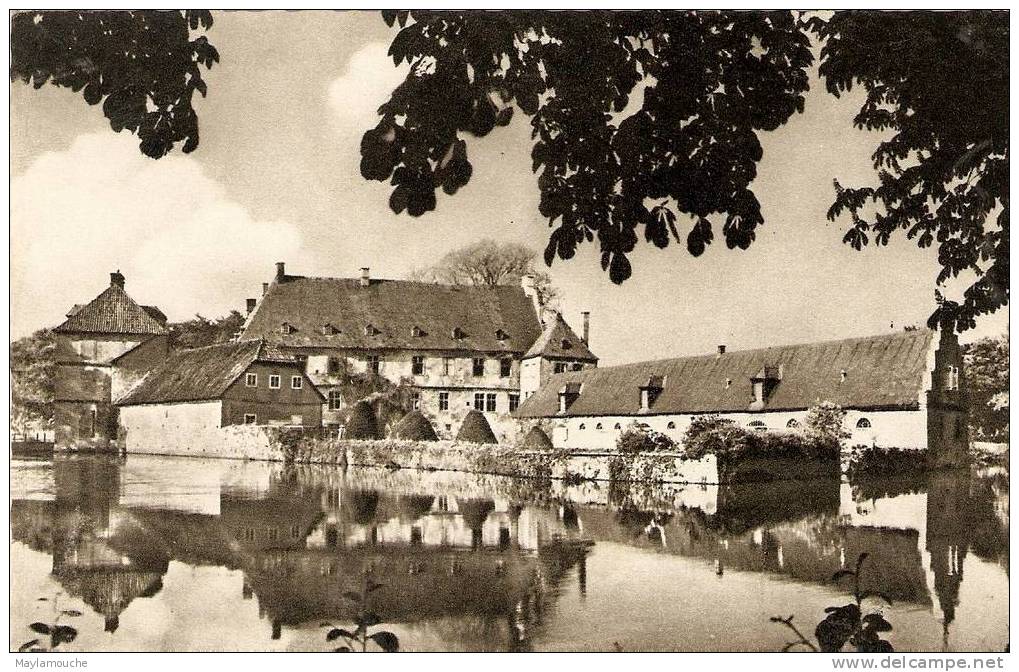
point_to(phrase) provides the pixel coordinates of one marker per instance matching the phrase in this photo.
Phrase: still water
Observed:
(186, 554)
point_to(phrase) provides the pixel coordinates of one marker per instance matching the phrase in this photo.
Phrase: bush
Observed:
(642, 439)
(536, 440)
(878, 461)
(475, 429)
(361, 423)
(414, 427)
(825, 423)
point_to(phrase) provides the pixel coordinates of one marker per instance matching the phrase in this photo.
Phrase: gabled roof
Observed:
(881, 372)
(201, 374)
(393, 308)
(558, 340)
(112, 312)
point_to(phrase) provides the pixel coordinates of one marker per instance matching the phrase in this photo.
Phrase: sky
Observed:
(276, 178)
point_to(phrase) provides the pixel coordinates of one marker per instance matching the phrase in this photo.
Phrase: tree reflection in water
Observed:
(480, 563)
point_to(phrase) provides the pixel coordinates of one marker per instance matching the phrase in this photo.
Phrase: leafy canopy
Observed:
(710, 82)
(938, 83)
(143, 66)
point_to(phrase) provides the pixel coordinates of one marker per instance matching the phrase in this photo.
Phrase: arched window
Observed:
(792, 424)
(758, 425)
(617, 426)
(863, 423)
(671, 425)
(582, 426)
(598, 426)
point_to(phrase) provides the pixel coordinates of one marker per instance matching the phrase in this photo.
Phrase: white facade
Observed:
(899, 429)
(170, 429)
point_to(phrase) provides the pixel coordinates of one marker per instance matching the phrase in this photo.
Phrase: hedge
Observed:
(475, 429)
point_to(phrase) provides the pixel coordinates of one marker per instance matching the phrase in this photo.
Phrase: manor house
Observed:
(455, 348)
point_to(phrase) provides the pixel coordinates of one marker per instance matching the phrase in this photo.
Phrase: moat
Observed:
(166, 554)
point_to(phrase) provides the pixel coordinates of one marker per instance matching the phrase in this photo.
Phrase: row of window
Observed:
(483, 401)
(862, 423)
(417, 365)
(296, 382)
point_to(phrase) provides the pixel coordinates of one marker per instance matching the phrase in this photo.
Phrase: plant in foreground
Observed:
(58, 633)
(359, 638)
(846, 623)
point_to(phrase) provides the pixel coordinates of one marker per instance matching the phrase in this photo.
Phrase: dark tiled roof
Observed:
(394, 314)
(881, 372)
(560, 341)
(202, 373)
(112, 312)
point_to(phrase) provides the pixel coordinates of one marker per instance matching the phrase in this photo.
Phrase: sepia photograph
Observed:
(509, 330)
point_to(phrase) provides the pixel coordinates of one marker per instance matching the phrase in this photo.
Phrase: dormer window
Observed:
(566, 344)
(843, 375)
(764, 383)
(501, 335)
(370, 330)
(567, 395)
(417, 332)
(329, 329)
(457, 333)
(287, 328)
(650, 390)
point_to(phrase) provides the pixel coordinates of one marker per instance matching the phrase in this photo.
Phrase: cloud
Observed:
(369, 79)
(171, 229)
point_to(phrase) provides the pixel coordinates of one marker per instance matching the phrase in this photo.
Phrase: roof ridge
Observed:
(830, 341)
(423, 283)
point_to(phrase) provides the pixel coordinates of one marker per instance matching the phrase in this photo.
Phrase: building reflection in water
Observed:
(483, 560)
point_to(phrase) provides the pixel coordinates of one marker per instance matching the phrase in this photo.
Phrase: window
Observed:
(758, 425)
(582, 426)
(415, 535)
(617, 426)
(559, 367)
(671, 425)
(953, 378)
(505, 366)
(417, 365)
(577, 366)
(415, 400)
(302, 360)
(334, 365)
(372, 363)
(447, 365)
(296, 382)
(295, 531)
(250, 419)
(93, 418)
(863, 423)
(792, 424)
(335, 400)
(251, 380)
(514, 402)
(272, 533)
(598, 426)
(490, 401)
(479, 366)
(274, 382)
(479, 401)
(443, 401)
(296, 419)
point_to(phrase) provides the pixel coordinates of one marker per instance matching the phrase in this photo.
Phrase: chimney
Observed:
(587, 326)
(117, 278)
(265, 288)
(251, 305)
(721, 350)
(281, 270)
(365, 276)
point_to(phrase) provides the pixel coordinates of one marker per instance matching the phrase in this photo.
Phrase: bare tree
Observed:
(488, 263)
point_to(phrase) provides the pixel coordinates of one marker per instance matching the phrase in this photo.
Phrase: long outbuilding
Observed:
(900, 390)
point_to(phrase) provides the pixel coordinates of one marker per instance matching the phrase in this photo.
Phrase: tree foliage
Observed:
(201, 331)
(33, 378)
(710, 82)
(475, 429)
(143, 66)
(937, 83)
(987, 384)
